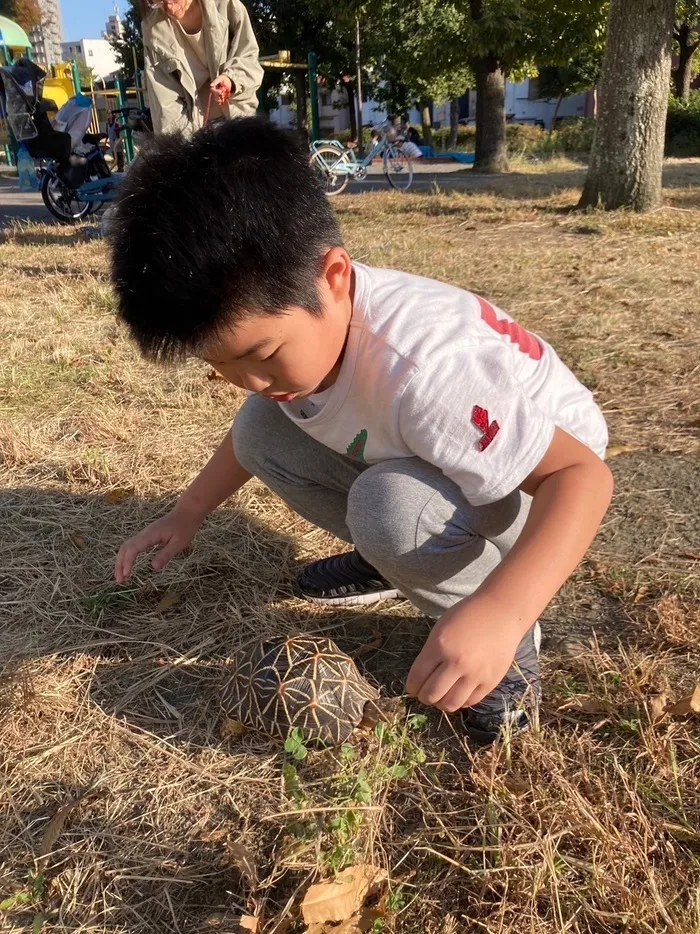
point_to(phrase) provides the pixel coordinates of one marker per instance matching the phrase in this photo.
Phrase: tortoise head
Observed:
(381, 710)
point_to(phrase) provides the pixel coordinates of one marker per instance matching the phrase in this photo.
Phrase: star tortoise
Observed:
(302, 682)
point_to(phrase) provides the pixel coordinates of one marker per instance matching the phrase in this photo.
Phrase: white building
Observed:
(46, 38)
(114, 27)
(523, 105)
(97, 54)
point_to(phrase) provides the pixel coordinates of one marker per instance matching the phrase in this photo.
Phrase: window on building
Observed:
(533, 90)
(285, 100)
(89, 53)
(325, 100)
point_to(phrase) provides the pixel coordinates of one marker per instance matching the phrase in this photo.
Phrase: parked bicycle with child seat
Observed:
(336, 165)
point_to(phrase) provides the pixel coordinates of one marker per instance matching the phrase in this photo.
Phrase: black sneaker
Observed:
(343, 580)
(512, 706)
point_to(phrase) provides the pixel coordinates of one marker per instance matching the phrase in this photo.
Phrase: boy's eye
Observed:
(269, 356)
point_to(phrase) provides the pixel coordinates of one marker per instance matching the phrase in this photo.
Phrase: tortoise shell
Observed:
(299, 681)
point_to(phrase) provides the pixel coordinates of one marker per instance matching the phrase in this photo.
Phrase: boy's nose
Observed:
(256, 383)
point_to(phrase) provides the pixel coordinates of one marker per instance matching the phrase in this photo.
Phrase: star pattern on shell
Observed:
(301, 682)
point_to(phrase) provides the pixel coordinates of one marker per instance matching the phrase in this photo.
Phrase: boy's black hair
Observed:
(208, 230)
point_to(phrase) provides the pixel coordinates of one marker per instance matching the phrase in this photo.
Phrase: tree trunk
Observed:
(628, 146)
(350, 91)
(454, 124)
(683, 74)
(300, 89)
(427, 121)
(491, 154)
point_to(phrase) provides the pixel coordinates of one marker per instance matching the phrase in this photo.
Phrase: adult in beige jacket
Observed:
(192, 47)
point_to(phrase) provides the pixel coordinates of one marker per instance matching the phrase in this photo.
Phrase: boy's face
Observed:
(292, 355)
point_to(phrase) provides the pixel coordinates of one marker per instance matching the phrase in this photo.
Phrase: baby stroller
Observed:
(75, 178)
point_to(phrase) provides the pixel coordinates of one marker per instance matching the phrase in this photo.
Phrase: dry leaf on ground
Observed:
(116, 496)
(620, 449)
(340, 898)
(585, 704)
(241, 857)
(371, 646)
(169, 599)
(686, 705)
(248, 923)
(56, 824)
(78, 540)
(658, 705)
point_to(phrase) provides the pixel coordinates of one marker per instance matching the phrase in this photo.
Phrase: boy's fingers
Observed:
(437, 686)
(457, 696)
(420, 671)
(165, 554)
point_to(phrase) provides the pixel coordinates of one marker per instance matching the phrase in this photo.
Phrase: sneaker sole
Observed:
(355, 599)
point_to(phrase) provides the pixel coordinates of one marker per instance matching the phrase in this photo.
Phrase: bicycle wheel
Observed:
(398, 168)
(324, 161)
(61, 201)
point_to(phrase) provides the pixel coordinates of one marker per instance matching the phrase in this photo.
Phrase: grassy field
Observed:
(124, 809)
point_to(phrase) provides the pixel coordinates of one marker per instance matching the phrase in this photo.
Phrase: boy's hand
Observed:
(173, 532)
(464, 658)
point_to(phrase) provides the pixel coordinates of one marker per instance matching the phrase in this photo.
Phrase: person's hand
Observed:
(222, 87)
(173, 532)
(464, 658)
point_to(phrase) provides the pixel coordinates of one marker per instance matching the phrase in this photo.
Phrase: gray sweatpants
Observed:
(403, 516)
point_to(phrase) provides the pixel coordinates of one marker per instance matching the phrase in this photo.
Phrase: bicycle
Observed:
(335, 165)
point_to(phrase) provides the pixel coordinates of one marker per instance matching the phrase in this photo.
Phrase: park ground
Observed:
(124, 809)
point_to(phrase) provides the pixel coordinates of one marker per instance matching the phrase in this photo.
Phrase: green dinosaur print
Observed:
(356, 448)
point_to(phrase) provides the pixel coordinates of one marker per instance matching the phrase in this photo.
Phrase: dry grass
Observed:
(590, 824)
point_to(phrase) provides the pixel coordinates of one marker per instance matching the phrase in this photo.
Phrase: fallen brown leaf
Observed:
(214, 374)
(78, 540)
(169, 599)
(371, 646)
(616, 450)
(55, 826)
(116, 496)
(241, 857)
(340, 898)
(658, 705)
(687, 705)
(248, 923)
(585, 704)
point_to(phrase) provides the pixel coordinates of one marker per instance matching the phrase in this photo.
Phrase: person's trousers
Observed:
(404, 516)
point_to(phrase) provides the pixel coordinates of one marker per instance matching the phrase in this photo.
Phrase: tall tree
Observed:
(628, 146)
(578, 75)
(25, 13)
(505, 37)
(129, 40)
(418, 50)
(686, 33)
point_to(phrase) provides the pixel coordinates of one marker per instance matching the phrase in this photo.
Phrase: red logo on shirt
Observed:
(480, 418)
(525, 341)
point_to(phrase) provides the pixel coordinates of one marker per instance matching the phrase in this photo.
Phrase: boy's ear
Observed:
(337, 271)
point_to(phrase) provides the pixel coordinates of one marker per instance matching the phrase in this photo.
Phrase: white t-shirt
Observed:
(196, 54)
(435, 372)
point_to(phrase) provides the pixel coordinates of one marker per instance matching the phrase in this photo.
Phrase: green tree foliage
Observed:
(686, 34)
(509, 37)
(25, 13)
(419, 54)
(131, 38)
(86, 75)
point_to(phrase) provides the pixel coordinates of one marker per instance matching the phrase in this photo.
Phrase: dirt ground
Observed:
(124, 810)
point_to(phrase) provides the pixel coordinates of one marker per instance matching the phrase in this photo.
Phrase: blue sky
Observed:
(85, 20)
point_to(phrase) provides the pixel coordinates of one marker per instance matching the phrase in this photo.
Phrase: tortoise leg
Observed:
(231, 729)
(382, 710)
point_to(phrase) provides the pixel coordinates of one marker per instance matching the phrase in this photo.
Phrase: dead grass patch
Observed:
(109, 694)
